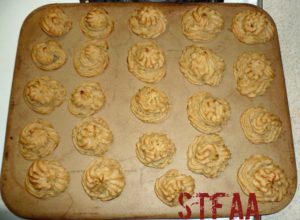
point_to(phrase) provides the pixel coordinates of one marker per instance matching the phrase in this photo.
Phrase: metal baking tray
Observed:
(138, 200)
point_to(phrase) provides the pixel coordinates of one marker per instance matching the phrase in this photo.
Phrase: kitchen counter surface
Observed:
(287, 18)
(285, 14)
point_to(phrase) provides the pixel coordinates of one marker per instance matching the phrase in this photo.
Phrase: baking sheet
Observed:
(138, 198)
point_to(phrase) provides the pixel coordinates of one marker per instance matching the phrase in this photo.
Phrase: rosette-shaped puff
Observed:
(103, 179)
(92, 58)
(169, 186)
(208, 155)
(207, 113)
(147, 62)
(38, 139)
(48, 55)
(97, 24)
(251, 26)
(258, 174)
(92, 136)
(46, 178)
(55, 22)
(148, 22)
(150, 105)
(155, 150)
(253, 74)
(202, 23)
(260, 126)
(201, 66)
(86, 99)
(43, 94)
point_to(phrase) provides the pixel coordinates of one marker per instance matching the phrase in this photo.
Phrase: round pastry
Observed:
(147, 62)
(86, 99)
(201, 66)
(148, 22)
(55, 22)
(260, 126)
(38, 139)
(43, 94)
(103, 179)
(155, 150)
(208, 155)
(252, 27)
(150, 105)
(97, 24)
(48, 55)
(92, 58)
(169, 186)
(253, 74)
(258, 174)
(207, 113)
(202, 23)
(92, 136)
(46, 178)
